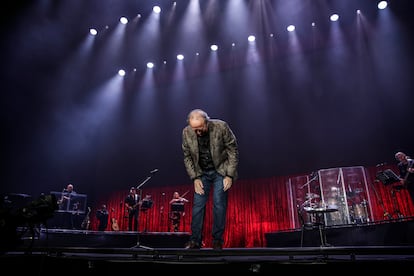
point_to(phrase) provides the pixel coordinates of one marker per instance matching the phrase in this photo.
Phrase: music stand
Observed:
(177, 207)
(387, 177)
(145, 205)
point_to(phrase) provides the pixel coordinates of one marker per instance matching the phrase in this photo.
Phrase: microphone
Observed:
(381, 164)
(154, 171)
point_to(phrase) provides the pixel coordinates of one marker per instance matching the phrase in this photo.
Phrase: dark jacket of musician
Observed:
(132, 204)
(103, 216)
(406, 169)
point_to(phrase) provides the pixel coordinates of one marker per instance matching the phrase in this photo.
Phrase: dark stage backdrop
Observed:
(256, 207)
(338, 95)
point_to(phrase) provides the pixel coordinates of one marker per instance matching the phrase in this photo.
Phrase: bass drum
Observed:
(332, 204)
(360, 213)
(333, 216)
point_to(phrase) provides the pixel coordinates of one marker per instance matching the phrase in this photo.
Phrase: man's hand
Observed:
(198, 186)
(227, 182)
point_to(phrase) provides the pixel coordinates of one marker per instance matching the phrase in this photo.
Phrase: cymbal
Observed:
(311, 195)
(358, 190)
(355, 192)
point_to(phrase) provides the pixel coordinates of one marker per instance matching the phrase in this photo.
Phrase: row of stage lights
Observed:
(251, 39)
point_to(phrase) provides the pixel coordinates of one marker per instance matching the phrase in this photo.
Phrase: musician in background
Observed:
(406, 172)
(177, 210)
(70, 217)
(102, 215)
(146, 202)
(132, 202)
(145, 205)
(66, 194)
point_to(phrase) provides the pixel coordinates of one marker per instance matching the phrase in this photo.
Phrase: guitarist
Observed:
(406, 169)
(132, 202)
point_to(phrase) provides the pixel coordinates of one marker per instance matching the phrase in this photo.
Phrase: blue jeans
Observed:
(211, 180)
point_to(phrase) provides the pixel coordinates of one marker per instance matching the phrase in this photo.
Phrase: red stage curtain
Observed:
(255, 207)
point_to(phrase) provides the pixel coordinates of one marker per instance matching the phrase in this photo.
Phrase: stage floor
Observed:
(46, 251)
(48, 261)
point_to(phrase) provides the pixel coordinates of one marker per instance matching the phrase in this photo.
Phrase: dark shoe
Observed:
(217, 245)
(192, 245)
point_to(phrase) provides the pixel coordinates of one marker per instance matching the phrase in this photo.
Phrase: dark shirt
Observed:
(102, 216)
(132, 201)
(404, 174)
(205, 161)
(223, 150)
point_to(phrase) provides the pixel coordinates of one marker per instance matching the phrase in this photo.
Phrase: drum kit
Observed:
(315, 215)
(312, 196)
(358, 207)
(317, 207)
(358, 211)
(308, 202)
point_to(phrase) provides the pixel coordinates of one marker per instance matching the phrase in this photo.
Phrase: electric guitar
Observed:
(135, 206)
(409, 171)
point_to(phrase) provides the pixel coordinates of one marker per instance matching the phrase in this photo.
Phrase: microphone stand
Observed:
(138, 210)
(307, 183)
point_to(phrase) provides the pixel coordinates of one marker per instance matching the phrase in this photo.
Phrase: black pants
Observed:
(133, 220)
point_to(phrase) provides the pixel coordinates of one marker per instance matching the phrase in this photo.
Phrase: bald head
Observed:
(401, 156)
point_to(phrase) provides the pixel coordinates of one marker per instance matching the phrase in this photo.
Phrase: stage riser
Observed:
(48, 265)
(96, 239)
(385, 234)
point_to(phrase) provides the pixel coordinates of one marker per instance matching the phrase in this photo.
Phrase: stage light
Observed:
(123, 20)
(334, 17)
(290, 28)
(156, 9)
(382, 5)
